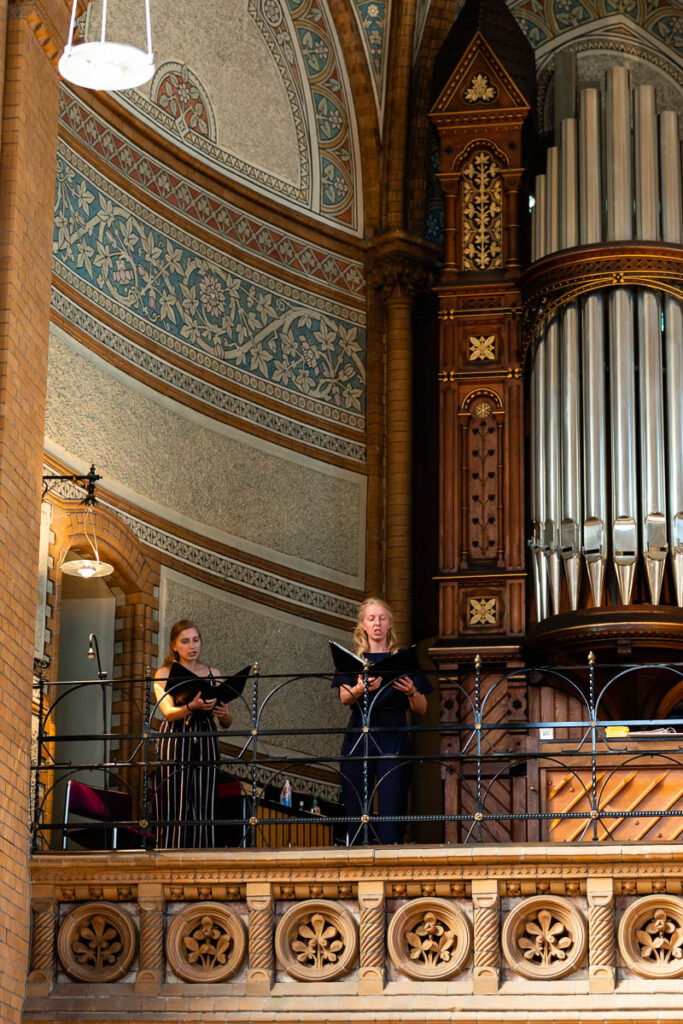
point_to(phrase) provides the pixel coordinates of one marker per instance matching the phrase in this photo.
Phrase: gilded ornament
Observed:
(483, 611)
(482, 410)
(480, 90)
(482, 347)
(482, 216)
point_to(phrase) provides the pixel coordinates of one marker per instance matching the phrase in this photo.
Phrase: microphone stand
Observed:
(94, 652)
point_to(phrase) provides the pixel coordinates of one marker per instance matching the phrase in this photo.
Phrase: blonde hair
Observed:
(361, 641)
(176, 629)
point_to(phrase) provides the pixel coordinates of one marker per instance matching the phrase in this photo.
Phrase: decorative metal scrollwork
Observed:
(206, 942)
(429, 939)
(544, 937)
(97, 942)
(316, 940)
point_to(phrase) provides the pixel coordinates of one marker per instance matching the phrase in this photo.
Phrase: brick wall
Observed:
(27, 169)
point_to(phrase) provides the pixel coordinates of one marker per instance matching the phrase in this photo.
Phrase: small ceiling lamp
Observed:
(102, 64)
(87, 567)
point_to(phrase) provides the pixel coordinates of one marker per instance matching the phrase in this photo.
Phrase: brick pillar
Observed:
(27, 185)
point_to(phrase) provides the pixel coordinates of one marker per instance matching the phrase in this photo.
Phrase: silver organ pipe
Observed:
(570, 383)
(551, 538)
(653, 492)
(672, 231)
(621, 337)
(607, 368)
(538, 415)
(592, 327)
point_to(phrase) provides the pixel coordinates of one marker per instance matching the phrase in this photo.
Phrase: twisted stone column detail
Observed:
(372, 943)
(372, 932)
(151, 969)
(601, 938)
(486, 930)
(261, 954)
(41, 976)
(486, 906)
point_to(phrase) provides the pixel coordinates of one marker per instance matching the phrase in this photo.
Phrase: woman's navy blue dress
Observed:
(389, 779)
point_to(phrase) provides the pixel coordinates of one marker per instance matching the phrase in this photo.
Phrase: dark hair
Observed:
(176, 629)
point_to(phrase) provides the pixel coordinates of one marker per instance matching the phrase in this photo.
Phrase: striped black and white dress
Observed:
(185, 788)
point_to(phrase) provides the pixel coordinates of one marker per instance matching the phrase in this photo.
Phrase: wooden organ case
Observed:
(581, 338)
(484, 76)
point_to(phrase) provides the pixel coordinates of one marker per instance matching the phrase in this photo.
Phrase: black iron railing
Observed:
(489, 774)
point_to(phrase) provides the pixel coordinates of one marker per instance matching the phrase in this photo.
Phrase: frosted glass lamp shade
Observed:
(106, 65)
(86, 568)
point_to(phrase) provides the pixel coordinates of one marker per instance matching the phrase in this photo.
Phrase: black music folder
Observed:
(393, 666)
(184, 686)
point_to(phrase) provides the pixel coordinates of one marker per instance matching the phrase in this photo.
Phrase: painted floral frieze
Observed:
(148, 272)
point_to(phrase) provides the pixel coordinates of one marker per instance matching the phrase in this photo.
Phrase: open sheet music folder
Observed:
(393, 666)
(183, 687)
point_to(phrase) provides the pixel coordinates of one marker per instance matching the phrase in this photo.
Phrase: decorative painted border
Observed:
(141, 268)
(249, 576)
(302, 39)
(541, 20)
(215, 398)
(374, 20)
(226, 221)
(216, 155)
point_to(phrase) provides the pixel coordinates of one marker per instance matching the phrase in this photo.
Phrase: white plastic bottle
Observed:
(286, 794)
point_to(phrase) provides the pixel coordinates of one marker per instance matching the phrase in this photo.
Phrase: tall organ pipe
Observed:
(652, 481)
(672, 231)
(538, 508)
(621, 331)
(551, 539)
(592, 319)
(570, 383)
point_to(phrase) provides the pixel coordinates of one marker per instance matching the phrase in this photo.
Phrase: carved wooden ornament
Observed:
(651, 937)
(316, 940)
(544, 937)
(206, 942)
(97, 942)
(429, 939)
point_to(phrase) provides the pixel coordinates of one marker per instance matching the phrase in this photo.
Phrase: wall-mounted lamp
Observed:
(86, 567)
(103, 64)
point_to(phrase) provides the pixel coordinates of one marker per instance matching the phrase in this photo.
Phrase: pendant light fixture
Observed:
(103, 64)
(91, 565)
(87, 567)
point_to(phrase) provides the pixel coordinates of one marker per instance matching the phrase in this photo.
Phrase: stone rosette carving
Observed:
(316, 940)
(544, 937)
(651, 937)
(205, 942)
(97, 942)
(429, 939)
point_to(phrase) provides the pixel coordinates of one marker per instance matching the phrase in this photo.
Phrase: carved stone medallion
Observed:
(544, 937)
(316, 940)
(429, 939)
(97, 942)
(206, 942)
(651, 937)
